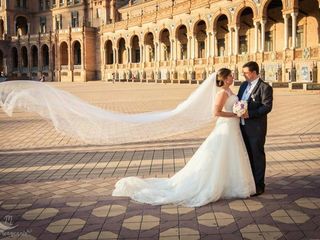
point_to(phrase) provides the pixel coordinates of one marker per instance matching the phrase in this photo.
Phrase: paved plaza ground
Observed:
(56, 187)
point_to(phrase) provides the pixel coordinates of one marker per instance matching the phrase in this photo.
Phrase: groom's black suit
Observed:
(255, 129)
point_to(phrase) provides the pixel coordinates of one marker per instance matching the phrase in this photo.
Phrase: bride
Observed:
(220, 168)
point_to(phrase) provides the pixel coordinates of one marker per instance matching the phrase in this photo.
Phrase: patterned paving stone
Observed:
(66, 225)
(40, 213)
(60, 188)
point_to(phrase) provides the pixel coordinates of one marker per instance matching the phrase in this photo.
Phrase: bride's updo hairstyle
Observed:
(222, 74)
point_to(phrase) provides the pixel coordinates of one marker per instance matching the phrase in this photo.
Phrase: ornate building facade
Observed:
(159, 40)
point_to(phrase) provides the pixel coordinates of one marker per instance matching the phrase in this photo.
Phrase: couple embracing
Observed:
(230, 163)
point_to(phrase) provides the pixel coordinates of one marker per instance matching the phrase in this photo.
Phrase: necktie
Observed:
(245, 97)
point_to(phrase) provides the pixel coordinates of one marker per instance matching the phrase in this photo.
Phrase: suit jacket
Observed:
(259, 105)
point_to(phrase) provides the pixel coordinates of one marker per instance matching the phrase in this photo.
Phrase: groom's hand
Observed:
(245, 115)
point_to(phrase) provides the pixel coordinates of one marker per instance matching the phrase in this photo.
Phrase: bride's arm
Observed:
(220, 100)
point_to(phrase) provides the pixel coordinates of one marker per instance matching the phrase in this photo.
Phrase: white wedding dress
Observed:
(220, 168)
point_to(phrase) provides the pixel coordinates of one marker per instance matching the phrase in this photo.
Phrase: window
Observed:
(243, 45)
(269, 42)
(221, 47)
(76, 1)
(69, 2)
(74, 19)
(41, 4)
(42, 24)
(53, 3)
(21, 3)
(299, 38)
(59, 21)
(48, 4)
(61, 3)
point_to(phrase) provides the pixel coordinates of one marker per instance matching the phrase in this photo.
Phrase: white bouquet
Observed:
(240, 107)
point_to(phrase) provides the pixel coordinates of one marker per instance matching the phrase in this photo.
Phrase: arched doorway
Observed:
(275, 27)
(77, 53)
(121, 51)
(24, 57)
(200, 32)
(165, 45)
(14, 57)
(181, 35)
(108, 52)
(246, 32)
(150, 49)
(45, 57)
(64, 54)
(222, 33)
(135, 49)
(34, 57)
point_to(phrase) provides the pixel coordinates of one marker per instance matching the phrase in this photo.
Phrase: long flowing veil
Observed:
(73, 116)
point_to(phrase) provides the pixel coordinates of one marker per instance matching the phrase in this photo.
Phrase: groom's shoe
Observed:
(258, 192)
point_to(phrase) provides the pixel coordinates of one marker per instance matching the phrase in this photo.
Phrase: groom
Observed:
(253, 123)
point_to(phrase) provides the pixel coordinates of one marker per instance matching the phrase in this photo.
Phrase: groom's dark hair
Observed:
(252, 66)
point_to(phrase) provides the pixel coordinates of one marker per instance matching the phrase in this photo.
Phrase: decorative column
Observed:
(171, 49)
(189, 48)
(193, 47)
(256, 25)
(208, 45)
(230, 41)
(29, 30)
(285, 17)
(115, 58)
(263, 35)
(15, 28)
(155, 52)
(294, 29)
(236, 40)
(213, 51)
(129, 59)
(141, 58)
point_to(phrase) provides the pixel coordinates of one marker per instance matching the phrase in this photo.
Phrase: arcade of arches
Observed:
(282, 36)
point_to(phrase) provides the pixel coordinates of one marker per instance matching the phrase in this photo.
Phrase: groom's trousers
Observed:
(254, 142)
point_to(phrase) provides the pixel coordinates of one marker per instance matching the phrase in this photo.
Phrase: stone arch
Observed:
(246, 31)
(34, 56)
(274, 28)
(135, 48)
(108, 49)
(121, 45)
(165, 44)
(44, 55)
(242, 7)
(76, 52)
(217, 15)
(24, 57)
(200, 33)
(265, 3)
(221, 28)
(182, 38)
(64, 53)
(150, 46)
(14, 56)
